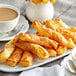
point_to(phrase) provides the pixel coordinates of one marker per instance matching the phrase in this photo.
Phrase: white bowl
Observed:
(73, 56)
(7, 26)
(41, 12)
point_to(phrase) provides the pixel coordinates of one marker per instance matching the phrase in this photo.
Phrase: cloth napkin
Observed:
(55, 70)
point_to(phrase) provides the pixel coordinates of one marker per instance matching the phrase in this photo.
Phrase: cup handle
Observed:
(70, 66)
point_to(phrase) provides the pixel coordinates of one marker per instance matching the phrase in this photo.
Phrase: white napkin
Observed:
(55, 70)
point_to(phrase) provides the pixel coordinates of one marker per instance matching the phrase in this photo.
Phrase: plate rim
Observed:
(36, 65)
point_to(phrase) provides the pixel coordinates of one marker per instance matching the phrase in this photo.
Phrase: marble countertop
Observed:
(64, 9)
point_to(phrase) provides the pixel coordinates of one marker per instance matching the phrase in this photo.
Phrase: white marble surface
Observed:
(65, 9)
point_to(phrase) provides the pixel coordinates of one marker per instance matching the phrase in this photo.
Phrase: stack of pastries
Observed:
(51, 41)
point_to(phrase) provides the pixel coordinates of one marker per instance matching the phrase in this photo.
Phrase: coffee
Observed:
(7, 14)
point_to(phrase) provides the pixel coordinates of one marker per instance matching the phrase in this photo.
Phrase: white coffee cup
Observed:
(7, 26)
(73, 55)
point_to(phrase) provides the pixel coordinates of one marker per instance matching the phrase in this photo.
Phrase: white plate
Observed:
(37, 62)
(22, 22)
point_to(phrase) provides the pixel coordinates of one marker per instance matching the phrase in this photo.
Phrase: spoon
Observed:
(71, 67)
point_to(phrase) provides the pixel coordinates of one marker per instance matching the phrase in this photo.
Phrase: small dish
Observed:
(22, 26)
(69, 62)
(64, 62)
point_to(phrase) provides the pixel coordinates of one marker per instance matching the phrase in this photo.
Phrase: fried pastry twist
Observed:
(50, 33)
(26, 59)
(34, 48)
(72, 29)
(44, 41)
(15, 57)
(64, 26)
(52, 24)
(56, 27)
(66, 31)
(52, 52)
(61, 50)
(7, 51)
(61, 23)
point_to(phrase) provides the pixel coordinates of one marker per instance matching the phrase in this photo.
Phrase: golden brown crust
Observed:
(52, 24)
(61, 23)
(47, 42)
(26, 59)
(34, 48)
(72, 29)
(44, 41)
(52, 52)
(49, 33)
(7, 51)
(57, 27)
(15, 57)
(66, 31)
(69, 34)
(61, 50)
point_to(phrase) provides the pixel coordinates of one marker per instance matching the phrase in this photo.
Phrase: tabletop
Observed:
(64, 9)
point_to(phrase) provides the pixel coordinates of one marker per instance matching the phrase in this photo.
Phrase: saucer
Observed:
(21, 27)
